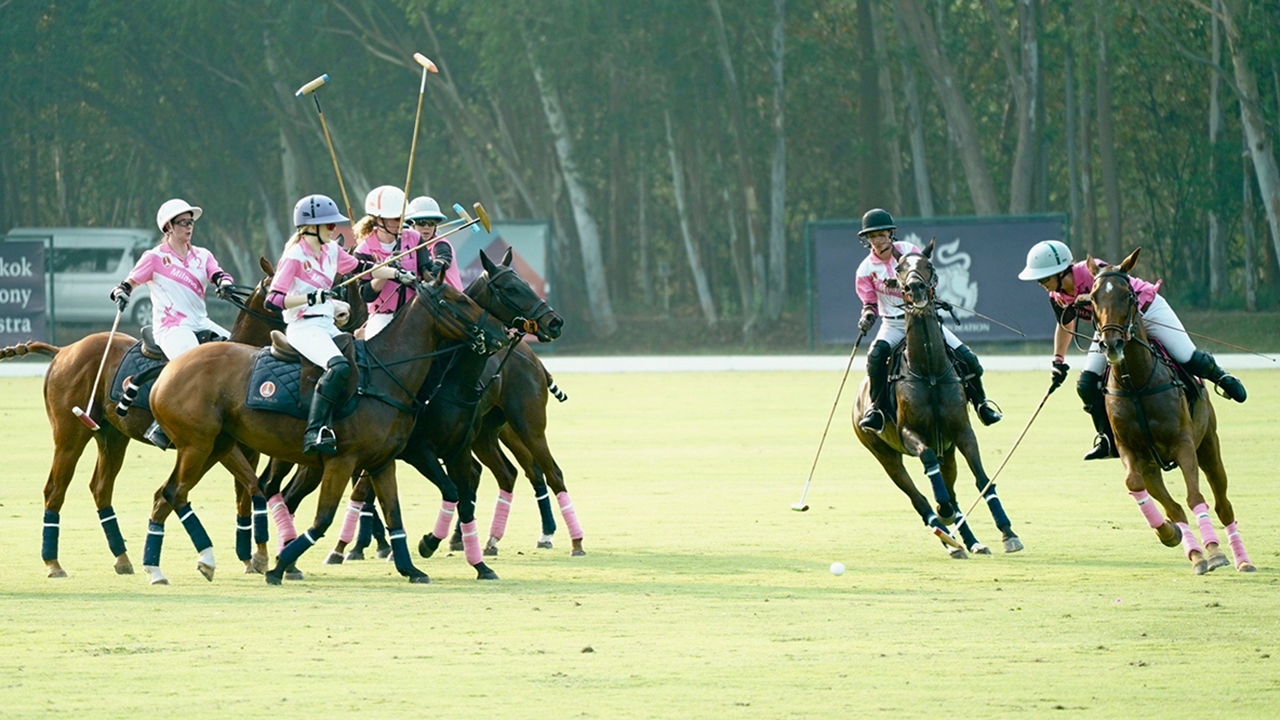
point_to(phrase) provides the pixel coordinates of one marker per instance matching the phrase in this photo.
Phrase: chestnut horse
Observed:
(1156, 428)
(199, 401)
(932, 418)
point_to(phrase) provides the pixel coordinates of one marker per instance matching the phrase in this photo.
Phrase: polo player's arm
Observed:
(1062, 338)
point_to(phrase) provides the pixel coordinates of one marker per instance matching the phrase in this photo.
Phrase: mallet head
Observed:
(311, 86)
(484, 217)
(425, 63)
(466, 216)
(84, 418)
(800, 507)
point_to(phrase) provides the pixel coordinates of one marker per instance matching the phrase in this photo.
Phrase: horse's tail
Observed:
(27, 348)
(551, 385)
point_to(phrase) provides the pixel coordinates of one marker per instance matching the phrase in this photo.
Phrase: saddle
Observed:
(1192, 387)
(898, 372)
(282, 380)
(143, 361)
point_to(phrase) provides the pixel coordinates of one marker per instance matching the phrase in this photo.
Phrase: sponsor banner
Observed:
(22, 292)
(977, 260)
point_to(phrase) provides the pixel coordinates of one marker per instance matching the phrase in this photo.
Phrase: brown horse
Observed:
(1156, 428)
(932, 418)
(199, 401)
(68, 383)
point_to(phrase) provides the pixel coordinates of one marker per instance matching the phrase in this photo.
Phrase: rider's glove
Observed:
(1060, 368)
(317, 297)
(120, 294)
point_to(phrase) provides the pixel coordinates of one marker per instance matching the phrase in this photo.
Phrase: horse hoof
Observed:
(484, 573)
(335, 558)
(1201, 567)
(1013, 544)
(578, 552)
(294, 574)
(355, 555)
(124, 566)
(384, 552)
(206, 571)
(456, 546)
(1246, 567)
(1170, 535)
(420, 579)
(1217, 560)
(160, 581)
(545, 545)
(491, 551)
(980, 549)
(58, 573)
(273, 577)
(257, 564)
(959, 554)
(428, 545)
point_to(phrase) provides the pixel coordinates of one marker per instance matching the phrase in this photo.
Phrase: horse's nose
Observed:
(554, 325)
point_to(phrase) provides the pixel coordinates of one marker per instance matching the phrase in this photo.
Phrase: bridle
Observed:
(479, 340)
(1128, 327)
(930, 283)
(519, 321)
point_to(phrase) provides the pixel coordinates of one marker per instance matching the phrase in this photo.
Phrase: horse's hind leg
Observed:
(916, 445)
(967, 443)
(69, 439)
(485, 447)
(249, 502)
(533, 438)
(956, 517)
(361, 493)
(891, 461)
(111, 451)
(191, 467)
(464, 471)
(385, 487)
(1209, 455)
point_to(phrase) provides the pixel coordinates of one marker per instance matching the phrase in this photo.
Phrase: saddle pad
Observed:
(275, 386)
(134, 364)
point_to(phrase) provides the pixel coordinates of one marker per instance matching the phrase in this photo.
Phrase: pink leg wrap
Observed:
(280, 515)
(444, 520)
(1149, 510)
(1189, 542)
(1207, 533)
(570, 515)
(350, 522)
(1237, 545)
(471, 543)
(500, 512)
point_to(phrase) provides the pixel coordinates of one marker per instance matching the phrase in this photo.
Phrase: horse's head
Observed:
(1115, 305)
(459, 318)
(917, 279)
(502, 291)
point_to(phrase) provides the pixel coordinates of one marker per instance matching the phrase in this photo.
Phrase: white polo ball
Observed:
(837, 569)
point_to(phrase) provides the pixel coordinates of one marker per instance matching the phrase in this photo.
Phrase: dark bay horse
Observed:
(199, 400)
(932, 419)
(1156, 428)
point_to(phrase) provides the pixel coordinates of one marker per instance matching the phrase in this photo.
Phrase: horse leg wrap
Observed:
(544, 509)
(283, 519)
(400, 551)
(444, 519)
(1149, 510)
(364, 531)
(350, 521)
(49, 537)
(501, 509)
(1189, 542)
(155, 542)
(260, 533)
(471, 543)
(110, 526)
(291, 552)
(1237, 545)
(199, 537)
(244, 538)
(934, 470)
(997, 509)
(570, 515)
(965, 531)
(1207, 533)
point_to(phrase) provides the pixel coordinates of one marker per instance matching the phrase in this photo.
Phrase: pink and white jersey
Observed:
(302, 271)
(452, 276)
(177, 285)
(870, 282)
(390, 297)
(1083, 278)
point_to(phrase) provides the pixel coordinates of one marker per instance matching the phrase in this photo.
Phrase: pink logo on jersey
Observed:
(267, 389)
(164, 260)
(171, 318)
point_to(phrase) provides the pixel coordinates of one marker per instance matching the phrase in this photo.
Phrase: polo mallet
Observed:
(1004, 462)
(310, 89)
(1210, 339)
(462, 213)
(427, 67)
(482, 217)
(802, 506)
(84, 414)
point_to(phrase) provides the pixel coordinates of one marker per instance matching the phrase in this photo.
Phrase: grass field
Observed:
(702, 594)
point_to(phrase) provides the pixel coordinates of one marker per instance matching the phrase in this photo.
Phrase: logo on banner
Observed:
(954, 286)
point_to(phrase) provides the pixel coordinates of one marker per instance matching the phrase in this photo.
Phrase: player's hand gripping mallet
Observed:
(482, 218)
(84, 414)
(310, 89)
(802, 506)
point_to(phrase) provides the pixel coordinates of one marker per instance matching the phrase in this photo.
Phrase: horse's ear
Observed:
(266, 265)
(506, 258)
(1092, 263)
(1130, 261)
(488, 265)
(928, 249)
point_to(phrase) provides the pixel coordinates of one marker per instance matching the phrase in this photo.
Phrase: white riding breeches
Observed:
(376, 323)
(1162, 324)
(313, 338)
(893, 330)
(176, 340)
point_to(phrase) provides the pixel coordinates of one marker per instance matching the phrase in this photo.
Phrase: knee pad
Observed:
(879, 355)
(334, 378)
(970, 360)
(1089, 387)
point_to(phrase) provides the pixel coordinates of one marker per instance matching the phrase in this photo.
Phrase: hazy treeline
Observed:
(679, 146)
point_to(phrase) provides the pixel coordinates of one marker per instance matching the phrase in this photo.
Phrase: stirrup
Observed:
(873, 421)
(989, 412)
(1229, 386)
(1103, 448)
(155, 435)
(325, 442)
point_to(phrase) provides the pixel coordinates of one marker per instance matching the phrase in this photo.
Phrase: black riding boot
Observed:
(1203, 365)
(988, 413)
(155, 435)
(1090, 389)
(319, 437)
(878, 372)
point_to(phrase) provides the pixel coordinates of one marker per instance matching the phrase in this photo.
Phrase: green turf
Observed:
(702, 594)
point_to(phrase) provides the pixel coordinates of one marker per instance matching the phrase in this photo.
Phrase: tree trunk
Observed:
(1246, 219)
(1024, 77)
(1217, 261)
(959, 118)
(741, 268)
(695, 262)
(1255, 125)
(1073, 166)
(1107, 137)
(888, 112)
(919, 166)
(737, 114)
(778, 174)
(597, 285)
(1088, 199)
(646, 282)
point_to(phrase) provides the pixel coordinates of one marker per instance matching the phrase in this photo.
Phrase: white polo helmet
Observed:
(424, 207)
(1046, 259)
(384, 202)
(172, 209)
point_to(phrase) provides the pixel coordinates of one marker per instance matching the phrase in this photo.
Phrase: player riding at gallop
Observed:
(880, 300)
(1049, 263)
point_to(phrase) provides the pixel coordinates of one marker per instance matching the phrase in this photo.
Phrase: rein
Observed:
(928, 311)
(234, 297)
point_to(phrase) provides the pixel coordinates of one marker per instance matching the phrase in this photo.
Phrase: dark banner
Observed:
(22, 293)
(977, 260)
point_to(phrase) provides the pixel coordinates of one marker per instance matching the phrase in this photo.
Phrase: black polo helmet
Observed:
(876, 219)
